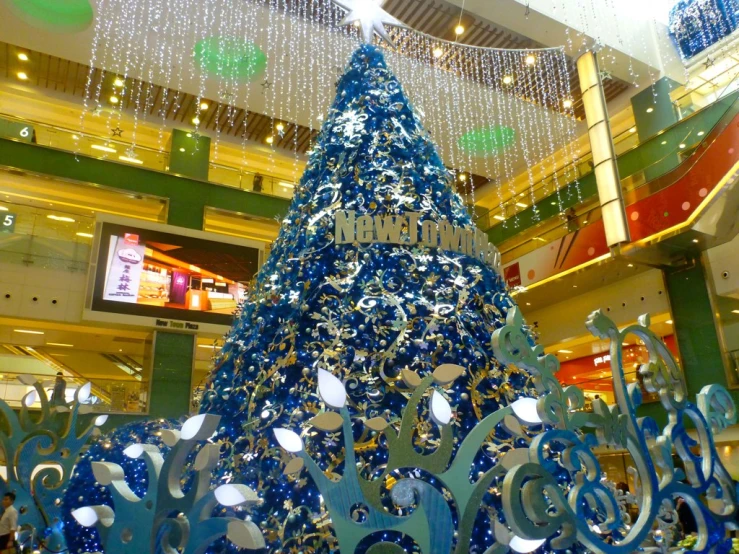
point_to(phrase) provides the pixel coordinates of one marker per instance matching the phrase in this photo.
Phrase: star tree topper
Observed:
(371, 17)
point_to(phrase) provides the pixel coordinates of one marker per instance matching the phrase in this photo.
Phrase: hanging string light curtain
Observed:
(494, 113)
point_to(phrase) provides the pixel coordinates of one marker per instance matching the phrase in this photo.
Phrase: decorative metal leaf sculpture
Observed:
(166, 518)
(53, 439)
(551, 438)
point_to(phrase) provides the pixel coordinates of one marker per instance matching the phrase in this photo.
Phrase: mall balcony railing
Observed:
(647, 170)
(46, 238)
(697, 113)
(109, 396)
(106, 148)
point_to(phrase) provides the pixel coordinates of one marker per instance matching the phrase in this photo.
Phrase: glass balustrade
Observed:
(117, 150)
(698, 110)
(45, 238)
(107, 395)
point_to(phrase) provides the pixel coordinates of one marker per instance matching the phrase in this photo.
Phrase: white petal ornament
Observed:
(85, 516)
(100, 420)
(83, 393)
(526, 411)
(441, 411)
(524, 546)
(331, 389)
(235, 495)
(88, 516)
(28, 380)
(289, 440)
(199, 427)
(30, 399)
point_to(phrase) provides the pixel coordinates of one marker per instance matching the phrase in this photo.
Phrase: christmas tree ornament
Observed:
(370, 16)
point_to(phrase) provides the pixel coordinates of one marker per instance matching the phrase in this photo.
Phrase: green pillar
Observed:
(695, 329)
(189, 154)
(654, 112)
(697, 337)
(657, 99)
(171, 376)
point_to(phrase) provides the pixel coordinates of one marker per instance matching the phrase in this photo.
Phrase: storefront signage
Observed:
(8, 222)
(183, 325)
(124, 269)
(367, 229)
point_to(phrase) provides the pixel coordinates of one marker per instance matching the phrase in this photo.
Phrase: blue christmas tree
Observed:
(364, 307)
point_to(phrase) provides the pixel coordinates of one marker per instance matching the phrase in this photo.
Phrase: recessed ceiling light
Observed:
(463, 177)
(664, 142)
(22, 56)
(669, 322)
(507, 80)
(269, 140)
(696, 241)
(682, 146)
(85, 235)
(499, 217)
(630, 265)
(196, 120)
(22, 76)
(530, 59)
(574, 286)
(632, 130)
(735, 311)
(60, 218)
(60, 344)
(182, 149)
(567, 103)
(75, 137)
(701, 133)
(650, 110)
(114, 99)
(459, 29)
(103, 148)
(438, 52)
(528, 303)
(204, 106)
(131, 160)
(28, 332)
(280, 127)
(521, 205)
(118, 82)
(565, 351)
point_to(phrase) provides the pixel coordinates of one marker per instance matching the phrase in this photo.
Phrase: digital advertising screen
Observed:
(146, 272)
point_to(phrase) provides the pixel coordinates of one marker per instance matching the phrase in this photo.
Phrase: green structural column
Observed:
(654, 112)
(189, 154)
(653, 108)
(695, 328)
(171, 376)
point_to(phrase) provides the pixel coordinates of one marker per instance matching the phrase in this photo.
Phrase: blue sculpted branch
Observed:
(589, 513)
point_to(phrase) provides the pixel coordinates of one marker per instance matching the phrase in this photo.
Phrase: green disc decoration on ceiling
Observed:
(230, 57)
(488, 140)
(65, 16)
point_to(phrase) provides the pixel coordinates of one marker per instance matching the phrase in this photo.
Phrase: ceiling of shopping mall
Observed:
(60, 67)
